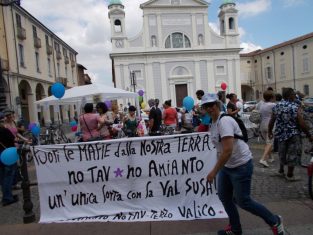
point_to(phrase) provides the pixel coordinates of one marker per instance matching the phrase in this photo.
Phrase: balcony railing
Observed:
(5, 65)
(66, 60)
(37, 42)
(21, 33)
(59, 55)
(49, 49)
(62, 80)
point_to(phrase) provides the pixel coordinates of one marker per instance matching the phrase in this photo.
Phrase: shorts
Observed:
(290, 150)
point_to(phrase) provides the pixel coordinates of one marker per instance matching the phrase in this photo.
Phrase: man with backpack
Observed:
(234, 168)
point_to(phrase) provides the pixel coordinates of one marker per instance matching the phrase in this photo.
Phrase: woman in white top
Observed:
(266, 112)
(234, 168)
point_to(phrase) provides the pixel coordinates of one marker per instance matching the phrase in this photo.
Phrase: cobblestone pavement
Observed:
(266, 188)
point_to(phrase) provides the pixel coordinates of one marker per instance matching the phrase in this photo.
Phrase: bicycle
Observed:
(253, 130)
(166, 130)
(54, 135)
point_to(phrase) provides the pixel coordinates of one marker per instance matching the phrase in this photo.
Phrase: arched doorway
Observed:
(25, 92)
(40, 94)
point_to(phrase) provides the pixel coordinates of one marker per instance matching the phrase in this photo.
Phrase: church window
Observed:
(231, 22)
(268, 72)
(305, 65)
(177, 40)
(117, 26)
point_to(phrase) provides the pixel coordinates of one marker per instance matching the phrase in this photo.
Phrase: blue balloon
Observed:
(58, 90)
(188, 103)
(35, 130)
(73, 123)
(9, 156)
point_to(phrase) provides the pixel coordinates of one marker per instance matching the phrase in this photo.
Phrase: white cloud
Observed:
(249, 47)
(85, 26)
(253, 8)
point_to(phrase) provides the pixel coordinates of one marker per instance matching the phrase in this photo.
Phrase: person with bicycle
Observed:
(234, 168)
(288, 117)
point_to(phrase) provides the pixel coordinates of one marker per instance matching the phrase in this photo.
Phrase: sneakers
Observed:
(264, 163)
(278, 229)
(228, 231)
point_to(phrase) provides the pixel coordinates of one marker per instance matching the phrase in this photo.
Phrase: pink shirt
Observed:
(91, 119)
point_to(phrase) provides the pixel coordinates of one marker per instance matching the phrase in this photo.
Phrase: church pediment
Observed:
(174, 3)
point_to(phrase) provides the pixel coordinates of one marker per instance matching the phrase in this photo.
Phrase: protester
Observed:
(222, 100)
(266, 113)
(278, 98)
(89, 123)
(170, 117)
(234, 168)
(231, 105)
(287, 115)
(204, 117)
(239, 105)
(103, 121)
(10, 124)
(7, 173)
(155, 118)
(130, 122)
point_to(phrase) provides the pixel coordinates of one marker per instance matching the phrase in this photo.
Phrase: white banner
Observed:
(132, 179)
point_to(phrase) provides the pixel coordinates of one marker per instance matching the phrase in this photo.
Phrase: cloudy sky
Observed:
(85, 26)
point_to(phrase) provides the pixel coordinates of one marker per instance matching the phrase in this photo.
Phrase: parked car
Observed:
(249, 106)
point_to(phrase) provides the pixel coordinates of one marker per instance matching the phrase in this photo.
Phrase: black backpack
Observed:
(242, 127)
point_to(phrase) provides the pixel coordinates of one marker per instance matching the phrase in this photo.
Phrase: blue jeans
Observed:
(234, 186)
(7, 175)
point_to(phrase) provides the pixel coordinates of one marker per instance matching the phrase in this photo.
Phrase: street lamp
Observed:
(6, 3)
(133, 79)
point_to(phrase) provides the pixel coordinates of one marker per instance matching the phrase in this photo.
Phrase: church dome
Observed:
(115, 2)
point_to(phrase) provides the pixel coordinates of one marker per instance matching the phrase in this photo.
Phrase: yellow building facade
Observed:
(33, 58)
(288, 64)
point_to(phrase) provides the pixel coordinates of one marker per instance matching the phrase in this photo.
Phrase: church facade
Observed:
(177, 52)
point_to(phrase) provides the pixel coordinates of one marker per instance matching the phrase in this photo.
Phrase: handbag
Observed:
(92, 138)
(255, 117)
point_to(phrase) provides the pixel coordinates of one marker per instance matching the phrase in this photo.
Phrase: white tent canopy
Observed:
(87, 93)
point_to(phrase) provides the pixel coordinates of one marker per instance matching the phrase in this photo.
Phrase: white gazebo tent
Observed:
(85, 94)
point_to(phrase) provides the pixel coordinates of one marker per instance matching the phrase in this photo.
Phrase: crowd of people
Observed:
(282, 120)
